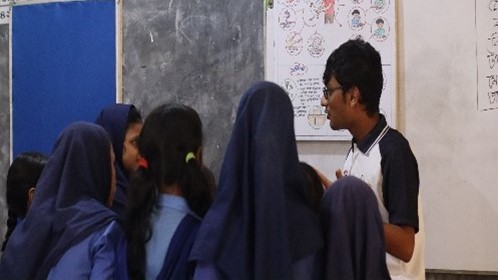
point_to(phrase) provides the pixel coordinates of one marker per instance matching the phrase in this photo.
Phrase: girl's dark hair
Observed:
(169, 133)
(314, 188)
(23, 175)
(133, 117)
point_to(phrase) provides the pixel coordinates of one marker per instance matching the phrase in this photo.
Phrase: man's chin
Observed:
(332, 126)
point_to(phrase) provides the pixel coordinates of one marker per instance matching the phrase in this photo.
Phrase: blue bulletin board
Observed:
(64, 68)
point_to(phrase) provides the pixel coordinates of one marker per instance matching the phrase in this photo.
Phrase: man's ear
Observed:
(354, 97)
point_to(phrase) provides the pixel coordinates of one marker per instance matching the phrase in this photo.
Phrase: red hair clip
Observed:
(142, 162)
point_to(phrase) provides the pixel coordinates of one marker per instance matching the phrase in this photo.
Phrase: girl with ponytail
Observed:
(167, 196)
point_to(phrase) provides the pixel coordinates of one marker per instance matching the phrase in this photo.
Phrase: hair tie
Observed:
(142, 162)
(189, 156)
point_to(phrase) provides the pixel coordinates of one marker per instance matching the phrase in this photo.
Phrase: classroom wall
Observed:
(453, 141)
(4, 123)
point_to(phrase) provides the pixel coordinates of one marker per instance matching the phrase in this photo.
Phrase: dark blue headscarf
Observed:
(260, 222)
(354, 233)
(113, 119)
(69, 203)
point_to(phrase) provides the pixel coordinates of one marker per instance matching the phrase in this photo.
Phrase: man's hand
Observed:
(338, 174)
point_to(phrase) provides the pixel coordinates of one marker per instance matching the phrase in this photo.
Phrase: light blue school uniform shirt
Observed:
(166, 217)
(92, 258)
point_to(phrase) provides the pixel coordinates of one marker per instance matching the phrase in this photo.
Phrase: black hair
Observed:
(210, 179)
(169, 133)
(379, 20)
(134, 117)
(357, 64)
(355, 12)
(23, 175)
(314, 187)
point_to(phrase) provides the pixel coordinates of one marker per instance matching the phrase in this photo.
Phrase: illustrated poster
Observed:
(301, 34)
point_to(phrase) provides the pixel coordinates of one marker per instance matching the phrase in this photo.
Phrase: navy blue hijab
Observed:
(354, 233)
(69, 203)
(260, 222)
(114, 119)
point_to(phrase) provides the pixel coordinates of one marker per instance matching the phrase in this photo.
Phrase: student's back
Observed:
(353, 231)
(168, 195)
(69, 207)
(261, 225)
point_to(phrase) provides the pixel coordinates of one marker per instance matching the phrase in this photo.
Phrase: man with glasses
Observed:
(379, 154)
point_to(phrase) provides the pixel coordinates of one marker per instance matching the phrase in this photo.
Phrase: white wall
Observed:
(326, 156)
(455, 143)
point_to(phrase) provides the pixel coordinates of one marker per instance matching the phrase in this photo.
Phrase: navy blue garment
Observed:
(176, 263)
(354, 233)
(68, 206)
(260, 223)
(113, 119)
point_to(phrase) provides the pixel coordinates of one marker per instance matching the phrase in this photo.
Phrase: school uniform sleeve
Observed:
(103, 253)
(400, 181)
(92, 258)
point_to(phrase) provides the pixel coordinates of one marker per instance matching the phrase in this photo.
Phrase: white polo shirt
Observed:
(384, 160)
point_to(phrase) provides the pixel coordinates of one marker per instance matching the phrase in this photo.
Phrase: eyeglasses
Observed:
(328, 91)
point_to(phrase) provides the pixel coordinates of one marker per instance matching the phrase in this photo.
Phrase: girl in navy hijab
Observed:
(69, 232)
(123, 122)
(354, 233)
(261, 225)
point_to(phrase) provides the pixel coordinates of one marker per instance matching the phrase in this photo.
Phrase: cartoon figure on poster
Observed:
(313, 12)
(380, 30)
(316, 44)
(290, 87)
(294, 43)
(287, 19)
(298, 69)
(356, 21)
(330, 12)
(379, 5)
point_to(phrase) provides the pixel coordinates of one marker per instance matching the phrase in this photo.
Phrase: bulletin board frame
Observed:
(65, 66)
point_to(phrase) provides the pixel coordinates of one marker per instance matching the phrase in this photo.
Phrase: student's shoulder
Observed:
(394, 142)
(108, 236)
(395, 138)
